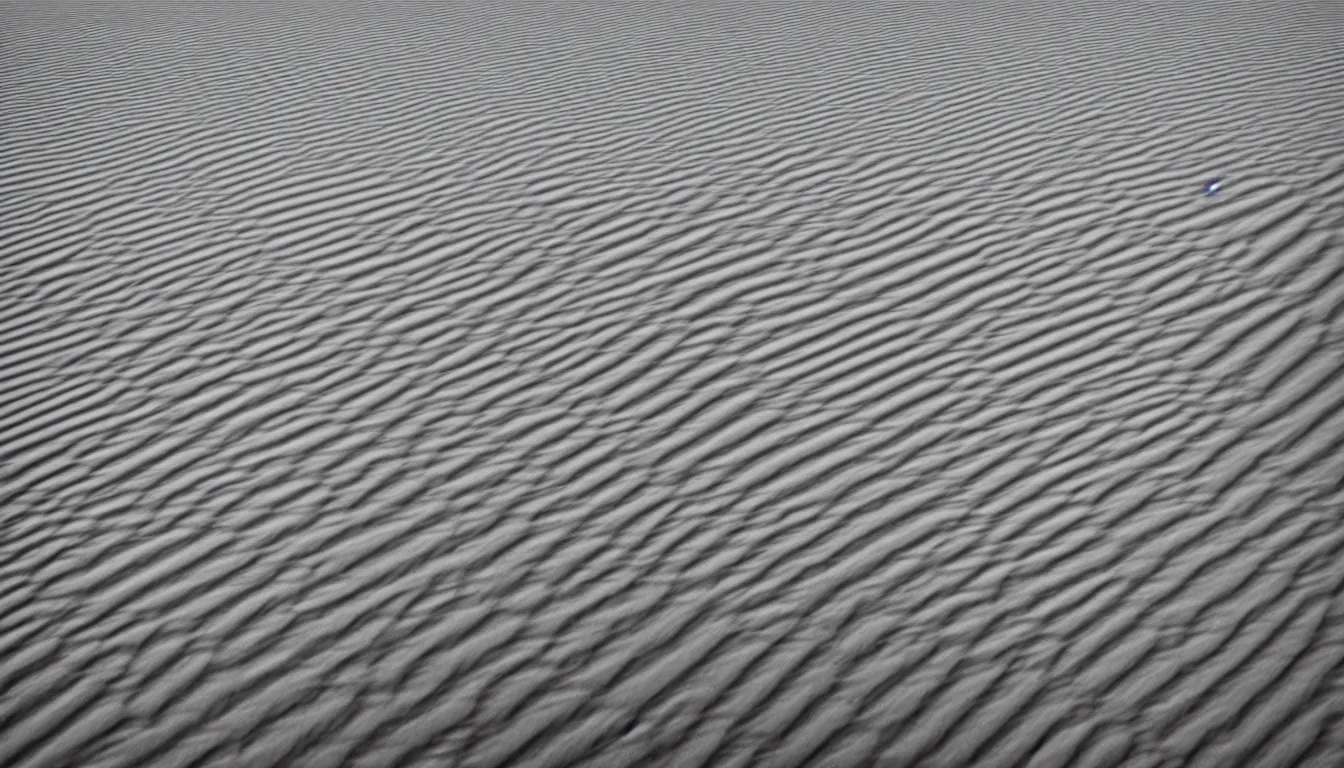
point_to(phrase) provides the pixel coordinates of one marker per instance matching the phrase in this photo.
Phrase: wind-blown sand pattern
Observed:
(662, 385)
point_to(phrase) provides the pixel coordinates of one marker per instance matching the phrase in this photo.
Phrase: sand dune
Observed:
(650, 384)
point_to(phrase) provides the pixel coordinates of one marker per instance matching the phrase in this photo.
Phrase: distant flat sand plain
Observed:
(718, 384)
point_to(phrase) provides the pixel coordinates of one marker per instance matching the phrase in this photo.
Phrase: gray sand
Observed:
(589, 384)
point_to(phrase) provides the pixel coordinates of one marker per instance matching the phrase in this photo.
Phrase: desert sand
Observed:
(719, 384)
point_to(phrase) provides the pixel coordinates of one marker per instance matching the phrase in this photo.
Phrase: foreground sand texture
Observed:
(720, 385)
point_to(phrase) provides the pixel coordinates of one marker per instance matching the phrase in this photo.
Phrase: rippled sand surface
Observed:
(731, 384)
